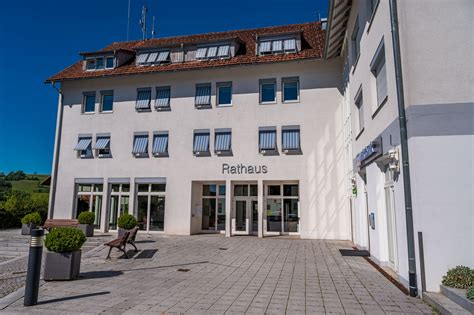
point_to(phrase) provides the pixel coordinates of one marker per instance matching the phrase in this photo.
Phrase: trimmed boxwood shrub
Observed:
(127, 221)
(33, 217)
(86, 217)
(470, 293)
(64, 239)
(460, 277)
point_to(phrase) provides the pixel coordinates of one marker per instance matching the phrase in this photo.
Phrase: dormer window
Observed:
(99, 63)
(153, 58)
(277, 45)
(215, 51)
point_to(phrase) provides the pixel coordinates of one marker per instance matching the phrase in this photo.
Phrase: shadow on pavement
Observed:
(67, 298)
(99, 274)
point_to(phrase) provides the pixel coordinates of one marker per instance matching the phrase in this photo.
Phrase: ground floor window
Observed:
(282, 208)
(119, 203)
(150, 206)
(89, 198)
(213, 207)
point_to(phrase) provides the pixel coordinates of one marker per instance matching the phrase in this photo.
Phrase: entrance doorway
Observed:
(245, 210)
(390, 213)
(213, 207)
(282, 209)
(150, 207)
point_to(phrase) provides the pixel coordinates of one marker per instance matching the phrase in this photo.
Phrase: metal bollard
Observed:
(34, 268)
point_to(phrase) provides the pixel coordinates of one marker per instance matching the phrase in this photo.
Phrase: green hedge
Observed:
(461, 277)
(34, 218)
(64, 239)
(470, 293)
(127, 221)
(86, 217)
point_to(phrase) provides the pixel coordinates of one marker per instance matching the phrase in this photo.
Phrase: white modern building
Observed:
(287, 130)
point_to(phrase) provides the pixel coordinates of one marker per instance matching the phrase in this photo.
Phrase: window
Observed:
(153, 58)
(290, 136)
(282, 214)
(163, 95)
(88, 102)
(267, 139)
(355, 42)
(119, 203)
(160, 144)
(102, 146)
(224, 94)
(277, 46)
(377, 66)
(290, 88)
(359, 103)
(99, 63)
(150, 206)
(222, 143)
(140, 145)
(203, 95)
(220, 51)
(213, 207)
(107, 101)
(84, 147)
(267, 91)
(201, 143)
(89, 198)
(109, 62)
(143, 99)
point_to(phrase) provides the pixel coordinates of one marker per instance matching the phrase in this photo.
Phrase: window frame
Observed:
(291, 151)
(100, 152)
(162, 108)
(355, 43)
(85, 95)
(148, 109)
(199, 132)
(160, 134)
(82, 154)
(220, 85)
(222, 131)
(379, 61)
(101, 107)
(359, 104)
(95, 63)
(286, 81)
(141, 154)
(207, 105)
(273, 151)
(264, 82)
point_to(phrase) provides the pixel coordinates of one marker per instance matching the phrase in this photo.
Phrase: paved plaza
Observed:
(211, 274)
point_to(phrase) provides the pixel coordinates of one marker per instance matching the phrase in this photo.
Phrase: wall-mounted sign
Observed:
(244, 169)
(369, 153)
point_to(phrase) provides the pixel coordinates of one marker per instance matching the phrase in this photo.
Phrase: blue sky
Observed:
(40, 38)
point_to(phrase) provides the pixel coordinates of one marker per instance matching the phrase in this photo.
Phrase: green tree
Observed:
(5, 188)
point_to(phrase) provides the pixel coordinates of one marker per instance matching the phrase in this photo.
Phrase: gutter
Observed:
(57, 145)
(404, 148)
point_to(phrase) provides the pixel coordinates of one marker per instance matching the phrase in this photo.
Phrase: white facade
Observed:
(318, 170)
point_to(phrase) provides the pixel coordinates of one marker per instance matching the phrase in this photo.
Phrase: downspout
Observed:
(57, 142)
(404, 148)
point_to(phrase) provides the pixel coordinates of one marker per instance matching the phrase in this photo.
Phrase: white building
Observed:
(284, 130)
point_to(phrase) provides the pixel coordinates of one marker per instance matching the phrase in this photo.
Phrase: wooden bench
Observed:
(52, 223)
(131, 238)
(119, 243)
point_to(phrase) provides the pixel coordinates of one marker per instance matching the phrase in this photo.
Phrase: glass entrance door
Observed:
(241, 215)
(282, 209)
(254, 207)
(391, 228)
(150, 207)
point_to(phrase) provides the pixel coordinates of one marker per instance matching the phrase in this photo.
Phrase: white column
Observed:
(228, 207)
(131, 201)
(105, 206)
(260, 208)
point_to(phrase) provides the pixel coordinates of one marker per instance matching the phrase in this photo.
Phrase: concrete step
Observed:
(14, 248)
(458, 296)
(443, 304)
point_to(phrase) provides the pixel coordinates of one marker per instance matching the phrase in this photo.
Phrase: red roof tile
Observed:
(312, 47)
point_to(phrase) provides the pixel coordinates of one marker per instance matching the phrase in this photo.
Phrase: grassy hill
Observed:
(30, 186)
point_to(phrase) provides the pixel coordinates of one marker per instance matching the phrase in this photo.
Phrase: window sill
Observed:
(267, 103)
(380, 107)
(88, 113)
(359, 134)
(163, 109)
(161, 155)
(372, 16)
(106, 112)
(224, 105)
(354, 65)
(143, 110)
(291, 101)
(204, 106)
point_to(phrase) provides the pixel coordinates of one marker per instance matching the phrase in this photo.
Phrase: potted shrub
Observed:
(86, 222)
(29, 222)
(126, 222)
(63, 258)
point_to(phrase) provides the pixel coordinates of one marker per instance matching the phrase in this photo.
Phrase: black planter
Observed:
(121, 232)
(62, 266)
(26, 228)
(88, 229)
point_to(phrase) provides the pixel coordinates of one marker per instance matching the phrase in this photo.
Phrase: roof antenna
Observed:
(143, 21)
(128, 21)
(153, 33)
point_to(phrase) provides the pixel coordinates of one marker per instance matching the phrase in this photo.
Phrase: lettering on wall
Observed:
(244, 169)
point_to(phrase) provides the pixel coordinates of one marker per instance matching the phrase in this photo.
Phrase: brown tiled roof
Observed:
(312, 47)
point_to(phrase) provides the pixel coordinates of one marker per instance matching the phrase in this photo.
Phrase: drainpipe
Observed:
(404, 148)
(57, 140)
